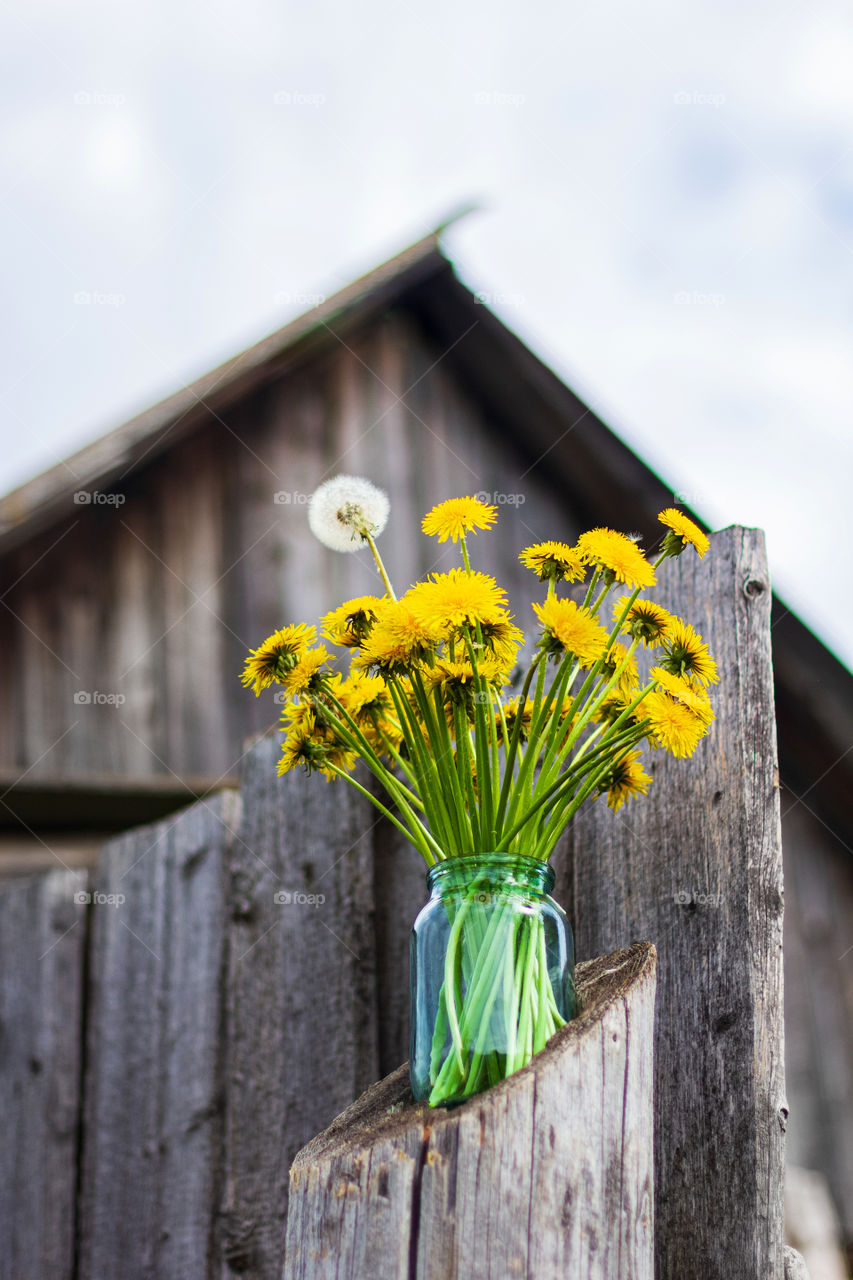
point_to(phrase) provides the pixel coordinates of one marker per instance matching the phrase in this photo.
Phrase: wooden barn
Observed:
(135, 575)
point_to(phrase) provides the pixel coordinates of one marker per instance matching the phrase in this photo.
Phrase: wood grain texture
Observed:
(302, 1016)
(696, 867)
(42, 946)
(548, 1174)
(154, 1097)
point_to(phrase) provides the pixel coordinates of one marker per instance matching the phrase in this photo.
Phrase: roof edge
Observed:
(50, 496)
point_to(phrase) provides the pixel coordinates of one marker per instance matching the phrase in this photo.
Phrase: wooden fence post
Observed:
(42, 946)
(301, 1022)
(153, 1128)
(548, 1174)
(696, 867)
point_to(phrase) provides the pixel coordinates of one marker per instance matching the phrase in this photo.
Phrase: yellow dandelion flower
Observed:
(672, 725)
(458, 516)
(511, 715)
(612, 708)
(502, 638)
(382, 734)
(301, 748)
(455, 599)
(629, 677)
(365, 697)
(569, 627)
(269, 663)
(553, 561)
(457, 682)
(687, 654)
(400, 639)
(682, 690)
(352, 621)
(308, 675)
(682, 532)
(616, 554)
(645, 620)
(625, 780)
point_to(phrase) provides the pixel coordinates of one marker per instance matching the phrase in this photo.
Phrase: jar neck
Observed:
(505, 869)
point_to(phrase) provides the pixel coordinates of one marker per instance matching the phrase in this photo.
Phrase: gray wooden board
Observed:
(549, 1173)
(42, 947)
(154, 1087)
(301, 1018)
(696, 867)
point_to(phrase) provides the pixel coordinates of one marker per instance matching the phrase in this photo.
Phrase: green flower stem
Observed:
(512, 749)
(461, 817)
(441, 751)
(464, 762)
(483, 744)
(350, 734)
(368, 537)
(478, 1002)
(559, 738)
(591, 705)
(565, 782)
(533, 749)
(507, 995)
(562, 816)
(434, 795)
(421, 839)
(451, 959)
(401, 764)
(593, 582)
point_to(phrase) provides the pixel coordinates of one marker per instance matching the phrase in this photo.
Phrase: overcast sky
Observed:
(668, 218)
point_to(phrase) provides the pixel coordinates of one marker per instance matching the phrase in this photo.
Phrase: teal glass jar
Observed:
(492, 974)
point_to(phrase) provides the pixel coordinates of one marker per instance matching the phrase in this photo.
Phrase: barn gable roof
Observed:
(568, 446)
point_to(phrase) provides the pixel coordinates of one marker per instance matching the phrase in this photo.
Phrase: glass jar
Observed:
(492, 973)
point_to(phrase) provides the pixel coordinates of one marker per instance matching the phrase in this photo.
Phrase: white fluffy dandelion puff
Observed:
(344, 510)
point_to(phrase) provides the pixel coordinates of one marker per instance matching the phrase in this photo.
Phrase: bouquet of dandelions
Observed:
(466, 769)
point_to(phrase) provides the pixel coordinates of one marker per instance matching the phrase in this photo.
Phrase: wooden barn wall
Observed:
(147, 608)
(818, 952)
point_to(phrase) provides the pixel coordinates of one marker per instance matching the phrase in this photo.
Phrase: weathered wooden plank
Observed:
(696, 867)
(400, 892)
(301, 1024)
(548, 1174)
(153, 1114)
(42, 946)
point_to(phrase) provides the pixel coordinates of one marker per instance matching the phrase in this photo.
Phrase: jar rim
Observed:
(463, 863)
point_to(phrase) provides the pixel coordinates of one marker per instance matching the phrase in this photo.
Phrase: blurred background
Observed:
(667, 218)
(663, 215)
